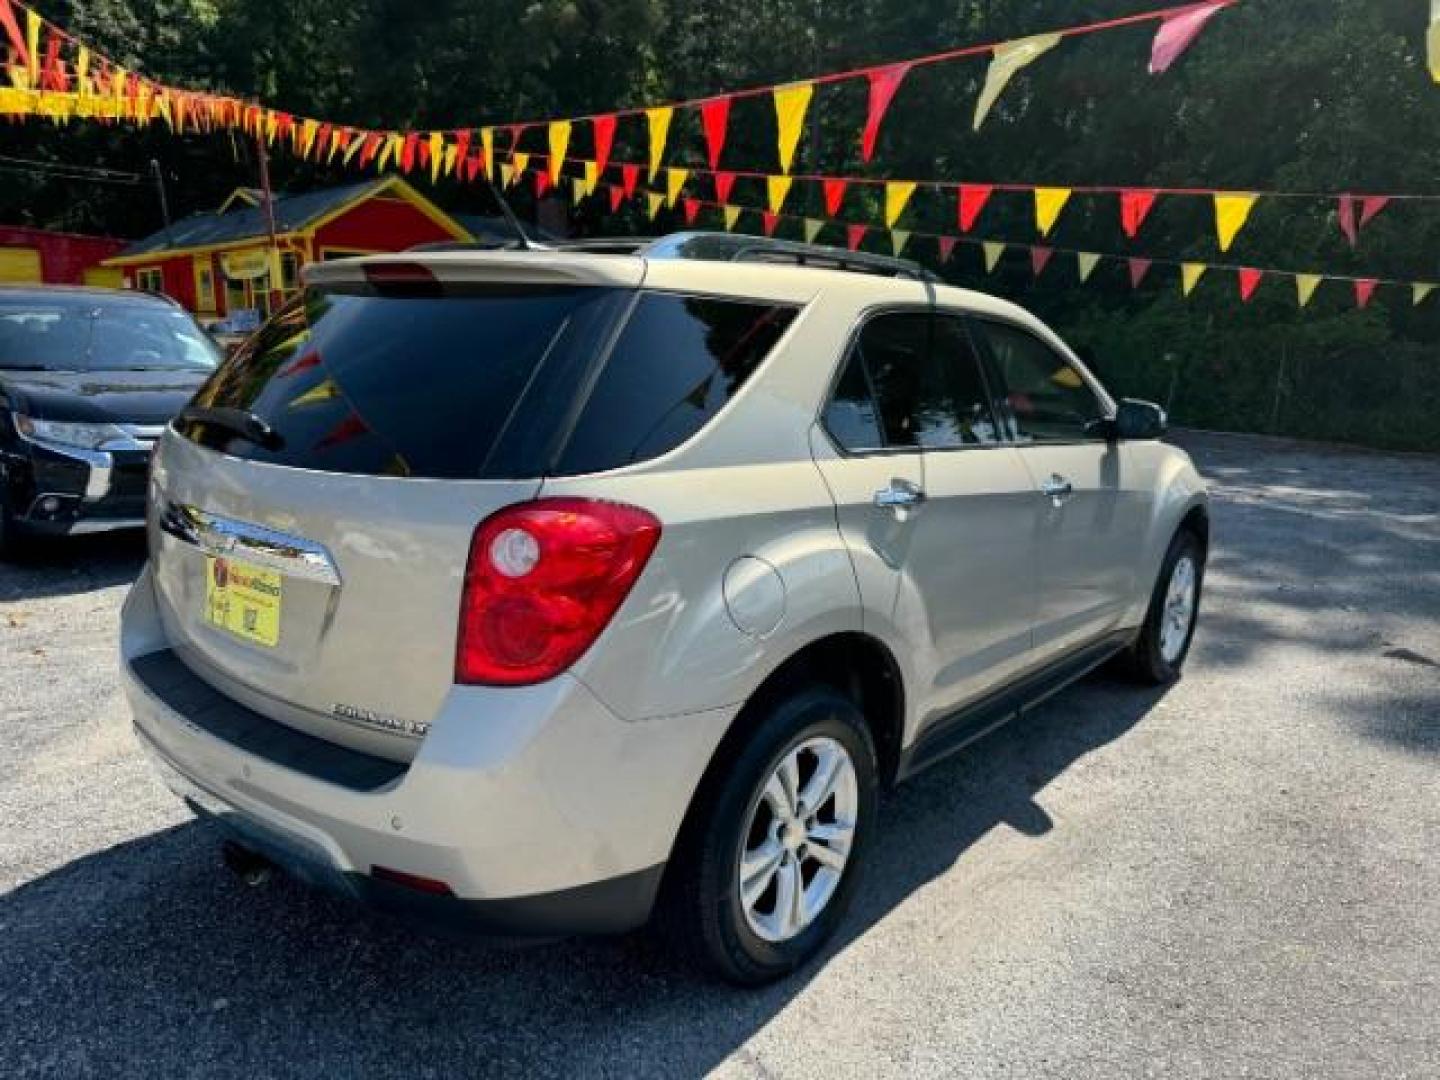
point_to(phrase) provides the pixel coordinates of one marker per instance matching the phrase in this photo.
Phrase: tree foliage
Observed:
(1325, 96)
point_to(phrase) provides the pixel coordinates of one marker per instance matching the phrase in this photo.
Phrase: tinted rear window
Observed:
(408, 386)
(678, 361)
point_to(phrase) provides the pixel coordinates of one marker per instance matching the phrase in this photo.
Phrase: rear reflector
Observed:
(544, 579)
(411, 881)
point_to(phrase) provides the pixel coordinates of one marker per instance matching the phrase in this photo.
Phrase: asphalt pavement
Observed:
(1239, 877)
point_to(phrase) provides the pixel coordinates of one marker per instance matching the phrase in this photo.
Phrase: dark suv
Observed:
(88, 380)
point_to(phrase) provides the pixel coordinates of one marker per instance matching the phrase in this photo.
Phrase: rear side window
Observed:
(444, 388)
(677, 362)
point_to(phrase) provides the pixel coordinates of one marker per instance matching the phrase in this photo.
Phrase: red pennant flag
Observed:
(12, 32)
(1040, 258)
(370, 149)
(855, 236)
(691, 208)
(462, 146)
(1179, 31)
(1135, 207)
(973, 198)
(322, 140)
(542, 182)
(1138, 269)
(769, 220)
(1369, 206)
(715, 116)
(834, 196)
(724, 182)
(424, 147)
(1364, 290)
(52, 73)
(407, 151)
(883, 84)
(617, 196)
(1249, 282)
(629, 177)
(604, 138)
(947, 247)
(474, 166)
(516, 130)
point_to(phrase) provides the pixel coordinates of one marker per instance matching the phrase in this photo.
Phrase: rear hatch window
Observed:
(490, 383)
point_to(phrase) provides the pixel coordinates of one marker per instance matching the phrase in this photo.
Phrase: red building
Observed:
(38, 257)
(219, 263)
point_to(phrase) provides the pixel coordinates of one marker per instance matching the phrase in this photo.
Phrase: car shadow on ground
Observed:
(65, 566)
(274, 979)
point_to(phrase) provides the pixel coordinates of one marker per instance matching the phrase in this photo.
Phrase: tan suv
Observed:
(545, 589)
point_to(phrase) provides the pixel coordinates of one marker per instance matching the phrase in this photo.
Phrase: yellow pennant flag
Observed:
(1421, 291)
(452, 155)
(653, 202)
(1432, 40)
(1048, 204)
(559, 143)
(791, 102)
(897, 195)
(1005, 61)
(659, 132)
(507, 175)
(1231, 213)
(82, 69)
(776, 188)
(521, 161)
(993, 252)
(393, 145)
(308, 129)
(1088, 261)
(357, 140)
(1190, 275)
(592, 177)
(812, 229)
(437, 155)
(674, 183)
(898, 239)
(32, 45)
(577, 191)
(1305, 286)
(731, 215)
(487, 144)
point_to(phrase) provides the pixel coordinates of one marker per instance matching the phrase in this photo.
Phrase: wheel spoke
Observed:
(822, 785)
(824, 855)
(789, 777)
(835, 835)
(782, 804)
(757, 869)
(790, 898)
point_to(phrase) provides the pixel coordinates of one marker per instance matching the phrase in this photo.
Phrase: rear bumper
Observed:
(540, 810)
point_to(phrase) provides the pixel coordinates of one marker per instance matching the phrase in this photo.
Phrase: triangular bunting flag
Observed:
(883, 84)
(1190, 275)
(659, 120)
(577, 190)
(674, 181)
(724, 183)
(776, 188)
(542, 183)
(1420, 292)
(791, 102)
(521, 161)
(1432, 41)
(604, 129)
(898, 239)
(714, 118)
(994, 251)
(731, 215)
(559, 145)
(1135, 207)
(1305, 286)
(897, 195)
(13, 34)
(437, 155)
(1087, 261)
(1249, 281)
(834, 195)
(507, 175)
(855, 236)
(487, 145)
(629, 178)
(812, 229)
(1356, 213)
(1231, 213)
(691, 208)
(1006, 60)
(1048, 204)
(617, 196)
(592, 177)
(1364, 290)
(1178, 31)
(653, 202)
(946, 244)
(1040, 258)
(1138, 269)
(973, 198)
(768, 220)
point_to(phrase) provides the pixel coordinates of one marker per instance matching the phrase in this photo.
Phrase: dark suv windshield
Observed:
(96, 333)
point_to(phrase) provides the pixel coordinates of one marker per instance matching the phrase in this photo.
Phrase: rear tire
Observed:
(738, 859)
(1159, 652)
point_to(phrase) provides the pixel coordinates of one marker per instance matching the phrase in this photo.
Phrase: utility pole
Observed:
(164, 202)
(268, 198)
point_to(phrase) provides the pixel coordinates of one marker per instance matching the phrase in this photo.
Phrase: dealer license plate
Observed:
(243, 599)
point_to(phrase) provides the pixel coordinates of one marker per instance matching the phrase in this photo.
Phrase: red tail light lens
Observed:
(544, 579)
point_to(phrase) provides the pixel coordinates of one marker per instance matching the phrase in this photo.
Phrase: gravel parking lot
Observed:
(1237, 877)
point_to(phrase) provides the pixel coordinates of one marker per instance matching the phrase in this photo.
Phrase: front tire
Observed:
(767, 865)
(1164, 642)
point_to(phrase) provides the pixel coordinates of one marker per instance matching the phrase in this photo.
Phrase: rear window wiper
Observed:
(238, 422)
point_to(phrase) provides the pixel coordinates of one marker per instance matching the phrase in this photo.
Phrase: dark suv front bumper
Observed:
(57, 490)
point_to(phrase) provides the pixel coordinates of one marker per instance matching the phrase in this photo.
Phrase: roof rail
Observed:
(729, 247)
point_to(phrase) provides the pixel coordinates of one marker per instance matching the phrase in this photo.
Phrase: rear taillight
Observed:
(544, 579)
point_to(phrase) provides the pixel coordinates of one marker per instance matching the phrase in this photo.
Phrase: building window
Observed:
(289, 271)
(150, 279)
(204, 285)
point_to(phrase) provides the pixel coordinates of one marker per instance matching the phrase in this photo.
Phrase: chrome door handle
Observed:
(1057, 489)
(900, 495)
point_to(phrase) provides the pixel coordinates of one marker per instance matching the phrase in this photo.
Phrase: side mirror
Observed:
(1138, 420)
